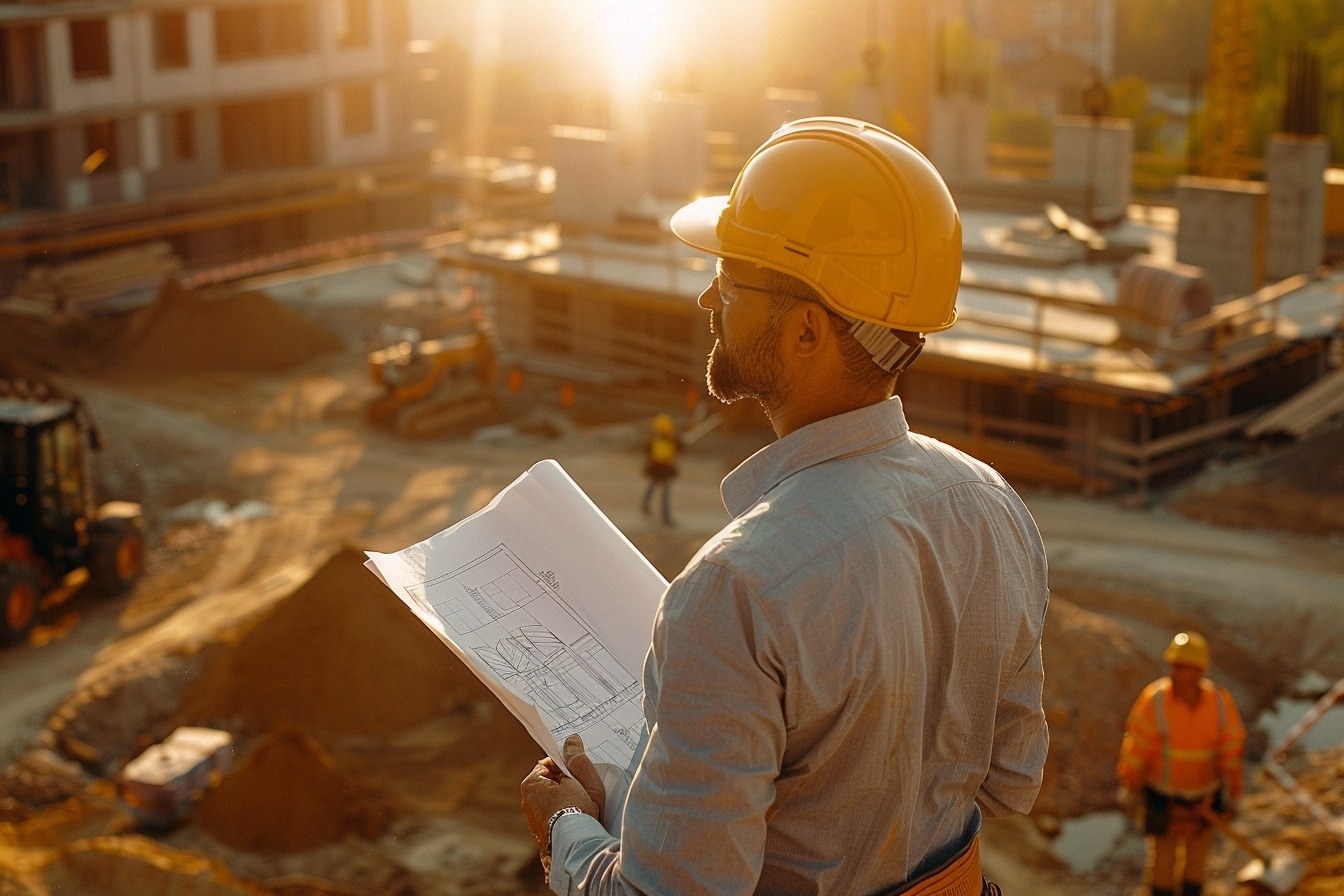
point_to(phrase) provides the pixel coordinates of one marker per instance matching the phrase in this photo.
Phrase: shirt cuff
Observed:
(575, 840)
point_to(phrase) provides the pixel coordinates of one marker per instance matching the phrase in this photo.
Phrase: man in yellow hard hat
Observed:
(1180, 759)
(848, 676)
(660, 465)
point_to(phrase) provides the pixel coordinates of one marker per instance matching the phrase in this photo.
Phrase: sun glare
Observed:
(631, 37)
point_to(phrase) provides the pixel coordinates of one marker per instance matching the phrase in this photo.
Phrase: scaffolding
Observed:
(1225, 146)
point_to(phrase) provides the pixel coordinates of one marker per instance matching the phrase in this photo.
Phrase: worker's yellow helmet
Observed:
(1188, 649)
(848, 208)
(664, 425)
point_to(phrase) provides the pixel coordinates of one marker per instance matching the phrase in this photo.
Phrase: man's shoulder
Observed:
(950, 460)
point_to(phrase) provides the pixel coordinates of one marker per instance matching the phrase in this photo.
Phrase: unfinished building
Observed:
(1100, 376)
(120, 120)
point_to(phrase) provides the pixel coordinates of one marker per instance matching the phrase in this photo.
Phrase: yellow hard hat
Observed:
(848, 208)
(1188, 649)
(663, 425)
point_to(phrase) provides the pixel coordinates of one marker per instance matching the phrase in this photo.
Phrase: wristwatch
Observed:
(550, 826)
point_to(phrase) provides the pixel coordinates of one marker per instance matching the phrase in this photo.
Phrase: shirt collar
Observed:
(854, 432)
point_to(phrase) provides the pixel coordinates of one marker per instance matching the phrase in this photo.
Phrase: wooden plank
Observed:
(1305, 411)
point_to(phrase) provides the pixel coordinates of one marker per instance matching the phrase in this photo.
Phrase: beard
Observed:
(753, 371)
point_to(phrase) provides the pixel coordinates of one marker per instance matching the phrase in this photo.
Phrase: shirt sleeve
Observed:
(695, 821)
(1021, 741)
(1141, 745)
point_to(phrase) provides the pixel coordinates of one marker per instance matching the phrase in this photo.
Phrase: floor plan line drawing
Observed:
(529, 636)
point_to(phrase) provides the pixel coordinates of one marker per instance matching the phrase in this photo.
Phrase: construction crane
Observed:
(1225, 147)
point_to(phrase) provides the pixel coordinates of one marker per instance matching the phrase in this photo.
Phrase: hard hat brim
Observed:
(697, 224)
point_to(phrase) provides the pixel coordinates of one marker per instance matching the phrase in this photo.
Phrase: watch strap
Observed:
(550, 825)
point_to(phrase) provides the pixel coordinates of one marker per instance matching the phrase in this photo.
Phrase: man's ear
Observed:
(812, 328)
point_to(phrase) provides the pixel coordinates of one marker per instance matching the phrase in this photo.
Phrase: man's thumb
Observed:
(582, 768)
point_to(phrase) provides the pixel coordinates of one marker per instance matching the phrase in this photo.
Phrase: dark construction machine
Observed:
(54, 538)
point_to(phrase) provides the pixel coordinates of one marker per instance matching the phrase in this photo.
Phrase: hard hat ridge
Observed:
(850, 209)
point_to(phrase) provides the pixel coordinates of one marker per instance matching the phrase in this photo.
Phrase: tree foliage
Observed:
(1167, 41)
(1129, 99)
(1286, 27)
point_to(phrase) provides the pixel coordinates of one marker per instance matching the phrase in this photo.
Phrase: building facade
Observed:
(104, 101)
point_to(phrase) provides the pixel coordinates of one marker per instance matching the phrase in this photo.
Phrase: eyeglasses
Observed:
(728, 290)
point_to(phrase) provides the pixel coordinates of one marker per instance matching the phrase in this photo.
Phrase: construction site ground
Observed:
(368, 761)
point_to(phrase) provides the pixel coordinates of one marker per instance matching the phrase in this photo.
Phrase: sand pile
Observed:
(1081, 726)
(340, 656)
(36, 346)
(187, 332)
(135, 866)
(287, 795)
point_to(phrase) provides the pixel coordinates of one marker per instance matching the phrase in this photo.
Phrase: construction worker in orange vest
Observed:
(1180, 759)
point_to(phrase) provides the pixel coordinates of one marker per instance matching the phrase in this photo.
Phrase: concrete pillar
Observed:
(1220, 230)
(915, 37)
(959, 137)
(1097, 155)
(132, 184)
(678, 145)
(1295, 228)
(586, 182)
(78, 193)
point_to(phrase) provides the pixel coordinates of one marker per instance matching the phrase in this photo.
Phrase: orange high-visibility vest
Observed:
(1183, 750)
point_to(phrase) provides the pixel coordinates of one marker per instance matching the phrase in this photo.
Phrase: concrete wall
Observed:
(678, 151)
(144, 99)
(164, 169)
(587, 188)
(339, 148)
(69, 94)
(194, 82)
(959, 136)
(1221, 226)
(1295, 229)
(1097, 155)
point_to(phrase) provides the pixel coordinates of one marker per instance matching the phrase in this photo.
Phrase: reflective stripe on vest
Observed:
(1167, 752)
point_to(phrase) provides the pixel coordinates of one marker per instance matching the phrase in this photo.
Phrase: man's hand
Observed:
(547, 789)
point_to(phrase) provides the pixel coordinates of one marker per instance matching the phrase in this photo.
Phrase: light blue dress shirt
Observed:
(840, 682)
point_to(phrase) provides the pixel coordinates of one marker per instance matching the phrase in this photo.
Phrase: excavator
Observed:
(55, 539)
(431, 386)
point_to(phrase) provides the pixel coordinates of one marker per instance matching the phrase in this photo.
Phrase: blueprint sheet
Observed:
(548, 603)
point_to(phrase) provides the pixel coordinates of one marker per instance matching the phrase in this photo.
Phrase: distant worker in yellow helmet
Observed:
(848, 676)
(660, 465)
(1181, 757)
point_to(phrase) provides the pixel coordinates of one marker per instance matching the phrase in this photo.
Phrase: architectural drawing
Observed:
(518, 624)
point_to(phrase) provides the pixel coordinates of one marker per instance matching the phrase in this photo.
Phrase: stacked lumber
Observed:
(1309, 409)
(107, 282)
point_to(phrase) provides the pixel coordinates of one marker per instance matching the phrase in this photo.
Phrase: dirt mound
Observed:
(189, 332)
(33, 347)
(287, 795)
(1081, 726)
(134, 866)
(1296, 488)
(341, 656)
